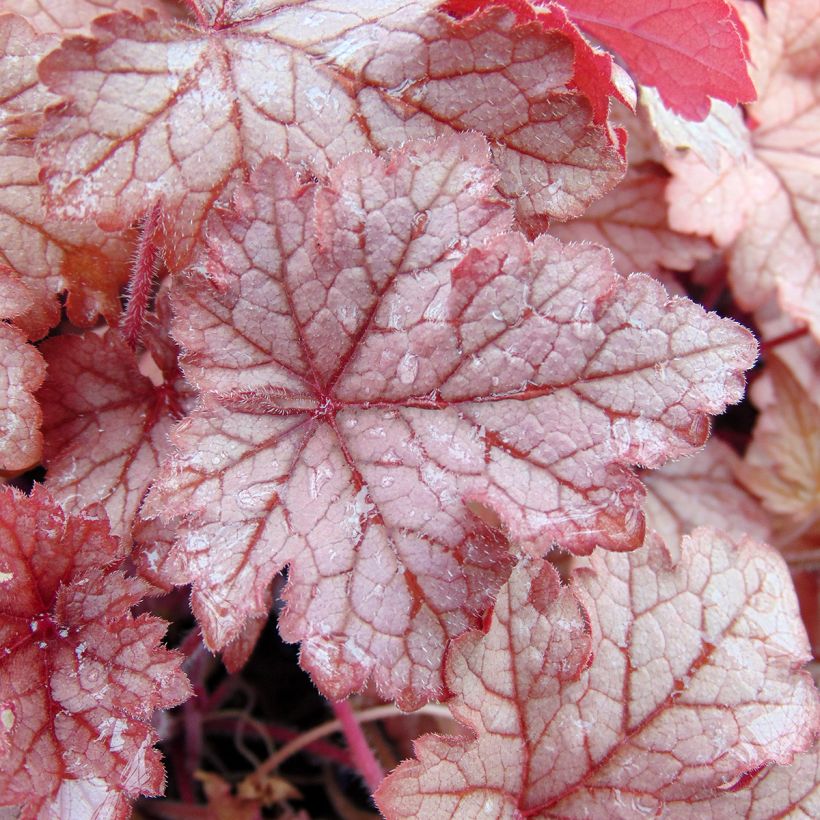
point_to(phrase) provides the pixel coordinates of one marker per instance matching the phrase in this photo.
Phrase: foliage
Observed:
(391, 324)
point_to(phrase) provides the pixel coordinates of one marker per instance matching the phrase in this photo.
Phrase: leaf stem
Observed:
(375, 713)
(143, 272)
(768, 345)
(369, 768)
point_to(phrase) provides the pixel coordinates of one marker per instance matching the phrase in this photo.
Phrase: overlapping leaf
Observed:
(659, 684)
(22, 371)
(782, 464)
(66, 17)
(690, 50)
(631, 222)
(46, 255)
(79, 676)
(768, 208)
(778, 791)
(175, 114)
(105, 425)
(702, 490)
(362, 380)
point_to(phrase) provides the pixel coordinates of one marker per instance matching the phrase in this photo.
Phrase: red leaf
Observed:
(79, 676)
(310, 82)
(105, 425)
(659, 684)
(22, 371)
(361, 380)
(690, 50)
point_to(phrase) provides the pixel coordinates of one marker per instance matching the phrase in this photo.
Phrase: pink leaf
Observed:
(631, 221)
(361, 379)
(702, 491)
(658, 684)
(309, 82)
(79, 676)
(778, 791)
(690, 50)
(782, 463)
(22, 371)
(105, 425)
(47, 256)
(22, 96)
(592, 67)
(66, 17)
(768, 207)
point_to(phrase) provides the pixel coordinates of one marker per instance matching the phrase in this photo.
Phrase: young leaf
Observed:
(105, 425)
(22, 371)
(79, 676)
(690, 50)
(362, 380)
(660, 683)
(308, 82)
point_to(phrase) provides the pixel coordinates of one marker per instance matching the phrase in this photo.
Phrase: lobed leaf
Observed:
(702, 490)
(22, 370)
(690, 50)
(177, 115)
(362, 379)
(632, 223)
(105, 425)
(659, 684)
(46, 256)
(66, 17)
(79, 676)
(768, 208)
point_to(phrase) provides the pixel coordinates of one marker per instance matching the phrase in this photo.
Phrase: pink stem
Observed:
(143, 272)
(363, 756)
(784, 338)
(320, 748)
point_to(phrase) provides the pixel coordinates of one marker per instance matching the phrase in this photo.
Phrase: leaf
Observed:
(105, 425)
(361, 380)
(778, 791)
(631, 222)
(782, 463)
(659, 683)
(769, 207)
(48, 256)
(723, 130)
(75, 16)
(702, 490)
(79, 676)
(593, 68)
(22, 371)
(308, 82)
(690, 50)
(22, 96)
